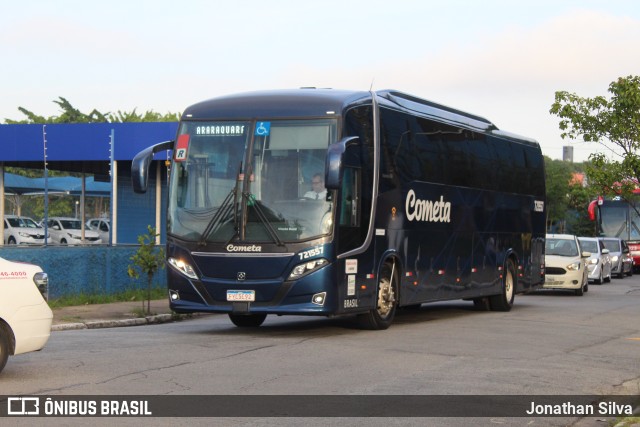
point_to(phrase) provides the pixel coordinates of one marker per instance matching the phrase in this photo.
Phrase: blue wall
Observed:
(137, 211)
(75, 270)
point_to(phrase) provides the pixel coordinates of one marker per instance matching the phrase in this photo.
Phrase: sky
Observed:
(500, 59)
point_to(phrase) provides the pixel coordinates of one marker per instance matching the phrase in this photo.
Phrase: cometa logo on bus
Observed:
(427, 210)
(244, 248)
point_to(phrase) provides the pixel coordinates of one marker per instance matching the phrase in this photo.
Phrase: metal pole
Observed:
(46, 185)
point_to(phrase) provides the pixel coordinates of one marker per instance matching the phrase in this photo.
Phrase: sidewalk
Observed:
(91, 316)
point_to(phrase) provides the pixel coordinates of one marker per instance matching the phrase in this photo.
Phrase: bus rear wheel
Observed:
(386, 302)
(504, 300)
(247, 320)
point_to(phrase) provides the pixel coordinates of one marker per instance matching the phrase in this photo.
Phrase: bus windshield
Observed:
(251, 181)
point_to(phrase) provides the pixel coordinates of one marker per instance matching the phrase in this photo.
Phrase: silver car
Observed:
(621, 261)
(599, 264)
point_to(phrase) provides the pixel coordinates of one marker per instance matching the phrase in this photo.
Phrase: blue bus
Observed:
(330, 202)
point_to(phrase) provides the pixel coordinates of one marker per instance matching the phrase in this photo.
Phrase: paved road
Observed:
(548, 344)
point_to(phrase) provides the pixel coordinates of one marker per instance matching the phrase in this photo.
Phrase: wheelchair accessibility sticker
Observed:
(263, 128)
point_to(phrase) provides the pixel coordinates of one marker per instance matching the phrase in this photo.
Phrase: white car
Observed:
(102, 226)
(599, 264)
(25, 316)
(68, 231)
(565, 264)
(22, 230)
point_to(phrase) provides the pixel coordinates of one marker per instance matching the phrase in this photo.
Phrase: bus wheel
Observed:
(381, 317)
(247, 320)
(504, 300)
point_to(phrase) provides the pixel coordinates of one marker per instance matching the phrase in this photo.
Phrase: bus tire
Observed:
(247, 320)
(382, 315)
(504, 300)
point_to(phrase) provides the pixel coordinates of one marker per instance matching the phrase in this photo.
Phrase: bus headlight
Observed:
(183, 267)
(306, 268)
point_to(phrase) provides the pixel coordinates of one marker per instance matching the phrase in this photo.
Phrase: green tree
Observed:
(147, 260)
(615, 124)
(557, 182)
(70, 114)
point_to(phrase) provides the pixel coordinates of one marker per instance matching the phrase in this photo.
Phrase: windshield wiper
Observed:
(224, 210)
(252, 202)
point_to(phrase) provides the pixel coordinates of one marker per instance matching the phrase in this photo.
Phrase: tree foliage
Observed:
(615, 124)
(147, 260)
(70, 114)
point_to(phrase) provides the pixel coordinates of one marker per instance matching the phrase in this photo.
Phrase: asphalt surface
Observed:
(132, 313)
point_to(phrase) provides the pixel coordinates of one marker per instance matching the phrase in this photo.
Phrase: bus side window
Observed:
(350, 200)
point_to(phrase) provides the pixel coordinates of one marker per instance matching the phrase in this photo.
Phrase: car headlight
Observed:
(305, 268)
(23, 234)
(593, 261)
(574, 266)
(614, 258)
(183, 267)
(41, 280)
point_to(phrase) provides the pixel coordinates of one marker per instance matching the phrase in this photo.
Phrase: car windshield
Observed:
(253, 181)
(590, 246)
(612, 245)
(22, 222)
(71, 224)
(561, 247)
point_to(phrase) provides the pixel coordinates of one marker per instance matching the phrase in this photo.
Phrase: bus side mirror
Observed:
(333, 165)
(140, 165)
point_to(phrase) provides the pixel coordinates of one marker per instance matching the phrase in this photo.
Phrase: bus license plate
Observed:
(241, 295)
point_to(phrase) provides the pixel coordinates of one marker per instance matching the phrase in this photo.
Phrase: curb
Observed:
(97, 324)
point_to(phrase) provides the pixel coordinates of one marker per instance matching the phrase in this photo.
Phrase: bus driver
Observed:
(318, 192)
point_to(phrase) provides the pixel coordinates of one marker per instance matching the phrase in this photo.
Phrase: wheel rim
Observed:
(386, 298)
(508, 286)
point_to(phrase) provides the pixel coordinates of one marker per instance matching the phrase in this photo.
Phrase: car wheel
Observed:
(586, 287)
(4, 347)
(12, 240)
(247, 320)
(580, 291)
(599, 280)
(63, 241)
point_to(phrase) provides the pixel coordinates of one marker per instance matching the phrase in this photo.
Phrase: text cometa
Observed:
(427, 210)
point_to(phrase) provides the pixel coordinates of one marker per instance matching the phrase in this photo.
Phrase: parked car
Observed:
(565, 264)
(621, 260)
(67, 231)
(22, 230)
(25, 316)
(102, 226)
(599, 264)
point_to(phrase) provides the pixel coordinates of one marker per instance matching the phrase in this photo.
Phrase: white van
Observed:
(25, 316)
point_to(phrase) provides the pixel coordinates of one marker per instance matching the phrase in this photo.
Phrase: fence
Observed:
(74, 270)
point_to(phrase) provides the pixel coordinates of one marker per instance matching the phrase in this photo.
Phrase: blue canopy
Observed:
(17, 184)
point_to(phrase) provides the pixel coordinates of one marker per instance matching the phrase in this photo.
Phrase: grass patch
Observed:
(84, 299)
(627, 422)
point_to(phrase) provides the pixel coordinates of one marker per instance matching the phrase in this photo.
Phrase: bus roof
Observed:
(312, 102)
